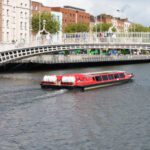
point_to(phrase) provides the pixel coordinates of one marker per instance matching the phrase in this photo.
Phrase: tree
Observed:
(76, 27)
(138, 28)
(103, 27)
(52, 25)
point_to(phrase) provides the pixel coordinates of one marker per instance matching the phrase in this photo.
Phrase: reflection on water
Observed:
(114, 118)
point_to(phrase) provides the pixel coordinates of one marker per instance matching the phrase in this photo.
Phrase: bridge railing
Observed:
(89, 38)
(105, 37)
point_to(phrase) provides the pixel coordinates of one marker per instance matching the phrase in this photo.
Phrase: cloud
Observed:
(136, 10)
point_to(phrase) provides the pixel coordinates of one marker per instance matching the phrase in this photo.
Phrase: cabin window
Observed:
(93, 79)
(121, 75)
(110, 77)
(98, 78)
(105, 77)
(116, 76)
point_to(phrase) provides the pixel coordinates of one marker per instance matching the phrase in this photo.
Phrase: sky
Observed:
(137, 11)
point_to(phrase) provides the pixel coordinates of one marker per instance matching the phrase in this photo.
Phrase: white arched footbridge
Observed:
(21, 53)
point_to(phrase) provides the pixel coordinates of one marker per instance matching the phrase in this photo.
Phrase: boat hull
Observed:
(95, 86)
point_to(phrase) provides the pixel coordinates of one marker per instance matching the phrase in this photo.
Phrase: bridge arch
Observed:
(21, 53)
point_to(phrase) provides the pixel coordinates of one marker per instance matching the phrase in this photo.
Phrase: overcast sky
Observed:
(135, 10)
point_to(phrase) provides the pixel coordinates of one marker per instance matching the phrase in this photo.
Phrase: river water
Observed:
(110, 118)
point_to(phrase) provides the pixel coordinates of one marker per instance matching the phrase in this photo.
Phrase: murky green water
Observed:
(110, 118)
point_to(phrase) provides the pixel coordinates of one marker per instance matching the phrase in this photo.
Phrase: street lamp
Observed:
(39, 18)
(96, 26)
(96, 23)
(101, 23)
(118, 11)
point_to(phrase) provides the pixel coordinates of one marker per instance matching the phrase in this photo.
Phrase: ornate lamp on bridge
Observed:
(43, 36)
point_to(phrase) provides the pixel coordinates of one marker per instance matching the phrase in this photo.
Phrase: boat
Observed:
(85, 81)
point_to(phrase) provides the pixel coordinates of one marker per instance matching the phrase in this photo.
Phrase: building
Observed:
(72, 15)
(39, 7)
(0, 20)
(15, 21)
(118, 23)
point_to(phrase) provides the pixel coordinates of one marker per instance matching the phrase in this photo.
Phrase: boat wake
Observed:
(51, 94)
(27, 98)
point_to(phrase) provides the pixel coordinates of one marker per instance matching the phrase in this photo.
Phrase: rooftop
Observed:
(74, 8)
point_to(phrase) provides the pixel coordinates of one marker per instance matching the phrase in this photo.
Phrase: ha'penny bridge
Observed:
(52, 52)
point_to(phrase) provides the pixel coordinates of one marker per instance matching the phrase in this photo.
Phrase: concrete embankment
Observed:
(54, 62)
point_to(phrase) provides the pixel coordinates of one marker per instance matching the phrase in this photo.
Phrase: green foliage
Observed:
(66, 52)
(52, 25)
(102, 27)
(93, 51)
(76, 27)
(125, 51)
(138, 28)
(114, 29)
(78, 51)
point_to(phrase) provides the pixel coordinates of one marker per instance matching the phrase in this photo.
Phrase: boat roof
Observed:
(94, 73)
(103, 72)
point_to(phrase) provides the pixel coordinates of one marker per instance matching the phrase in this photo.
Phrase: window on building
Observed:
(25, 26)
(21, 14)
(21, 36)
(21, 27)
(14, 9)
(26, 15)
(7, 2)
(7, 36)
(13, 20)
(7, 12)
(7, 24)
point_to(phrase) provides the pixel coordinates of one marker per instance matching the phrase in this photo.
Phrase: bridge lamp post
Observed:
(101, 21)
(39, 18)
(96, 22)
(96, 26)
(118, 11)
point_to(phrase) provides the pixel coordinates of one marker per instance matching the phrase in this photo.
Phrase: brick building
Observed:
(120, 24)
(72, 15)
(39, 7)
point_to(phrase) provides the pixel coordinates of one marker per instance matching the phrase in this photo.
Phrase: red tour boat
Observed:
(85, 81)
